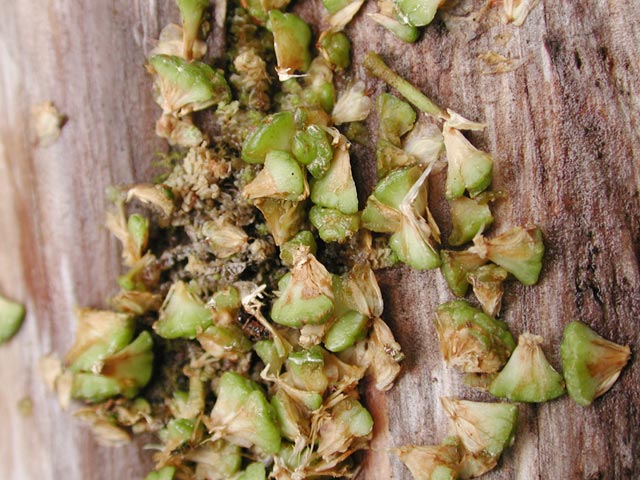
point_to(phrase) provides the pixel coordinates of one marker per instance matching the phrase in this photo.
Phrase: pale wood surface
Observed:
(564, 132)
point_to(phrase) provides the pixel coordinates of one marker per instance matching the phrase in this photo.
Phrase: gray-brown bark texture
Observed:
(563, 128)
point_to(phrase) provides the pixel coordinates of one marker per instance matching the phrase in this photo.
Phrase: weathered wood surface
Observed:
(564, 131)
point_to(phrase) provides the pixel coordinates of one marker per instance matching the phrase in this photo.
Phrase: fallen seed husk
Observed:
(191, 12)
(417, 12)
(335, 47)
(469, 169)
(336, 189)
(406, 33)
(332, 224)
(353, 105)
(291, 39)
(396, 118)
(468, 217)
(487, 282)
(183, 314)
(306, 296)
(281, 179)
(185, 87)
(456, 267)
(519, 251)
(590, 363)
(482, 427)
(438, 462)
(243, 416)
(99, 334)
(470, 340)
(527, 376)
(275, 132)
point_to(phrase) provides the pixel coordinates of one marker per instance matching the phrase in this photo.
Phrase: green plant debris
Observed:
(11, 317)
(591, 364)
(470, 340)
(527, 376)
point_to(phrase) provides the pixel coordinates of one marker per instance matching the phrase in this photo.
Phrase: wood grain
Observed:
(564, 132)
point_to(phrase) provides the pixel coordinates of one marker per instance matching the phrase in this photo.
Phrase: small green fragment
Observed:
(334, 6)
(337, 189)
(138, 226)
(332, 224)
(591, 364)
(268, 353)
(281, 178)
(306, 296)
(319, 90)
(132, 366)
(519, 251)
(291, 39)
(178, 431)
(227, 299)
(357, 132)
(417, 12)
(11, 317)
(313, 149)
(100, 333)
(275, 132)
(468, 217)
(470, 340)
(303, 238)
(290, 415)
(259, 9)
(165, 473)
(306, 368)
(183, 315)
(456, 267)
(254, 471)
(403, 31)
(94, 388)
(242, 412)
(335, 47)
(434, 462)
(482, 427)
(527, 376)
(292, 310)
(284, 218)
(376, 67)
(347, 330)
(378, 217)
(218, 460)
(390, 157)
(224, 341)
(468, 168)
(191, 12)
(395, 117)
(350, 412)
(413, 244)
(188, 87)
(348, 420)
(487, 285)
